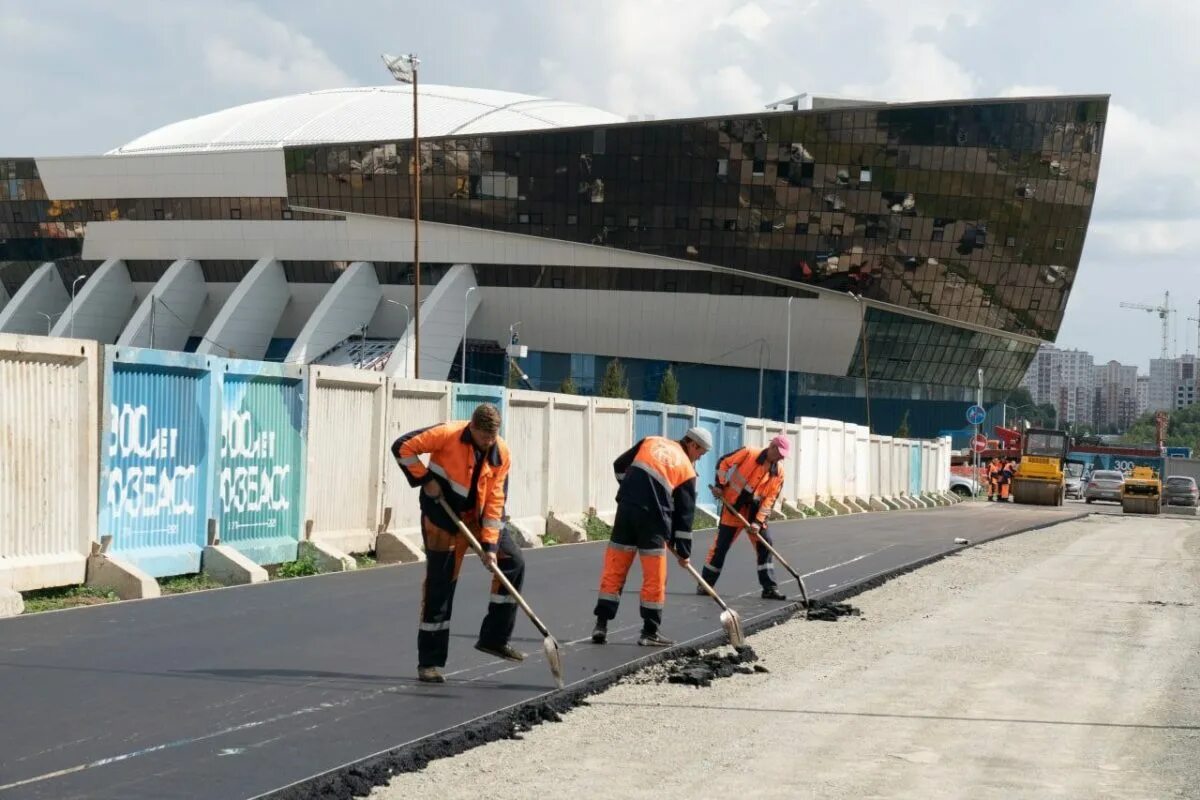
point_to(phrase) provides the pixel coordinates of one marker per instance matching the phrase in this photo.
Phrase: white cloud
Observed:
(1030, 90)
(749, 20)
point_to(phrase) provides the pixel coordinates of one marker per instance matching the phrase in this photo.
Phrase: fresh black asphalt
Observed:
(238, 692)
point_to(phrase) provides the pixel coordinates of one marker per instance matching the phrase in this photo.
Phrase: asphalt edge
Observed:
(357, 778)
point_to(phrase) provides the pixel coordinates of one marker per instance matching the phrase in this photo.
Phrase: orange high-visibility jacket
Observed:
(468, 483)
(747, 479)
(657, 476)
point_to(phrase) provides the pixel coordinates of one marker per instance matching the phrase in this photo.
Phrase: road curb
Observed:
(357, 778)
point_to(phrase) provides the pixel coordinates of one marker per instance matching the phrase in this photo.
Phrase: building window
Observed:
(738, 289)
(286, 213)
(864, 175)
(731, 224)
(536, 218)
(765, 226)
(97, 214)
(783, 169)
(681, 223)
(937, 235)
(759, 167)
(671, 286)
(722, 167)
(1060, 244)
(572, 219)
(556, 283)
(706, 224)
(905, 233)
(158, 214)
(633, 222)
(1010, 241)
(609, 221)
(523, 218)
(598, 141)
(17, 216)
(801, 228)
(235, 213)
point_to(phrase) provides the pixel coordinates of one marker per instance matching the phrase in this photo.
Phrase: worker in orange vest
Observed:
(993, 478)
(655, 507)
(749, 479)
(468, 466)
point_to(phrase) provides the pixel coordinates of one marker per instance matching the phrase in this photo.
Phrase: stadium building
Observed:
(905, 247)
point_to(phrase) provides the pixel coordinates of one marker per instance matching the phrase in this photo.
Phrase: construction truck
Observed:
(1040, 479)
(1142, 492)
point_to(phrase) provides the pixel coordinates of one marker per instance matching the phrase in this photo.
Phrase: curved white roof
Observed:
(366, 113)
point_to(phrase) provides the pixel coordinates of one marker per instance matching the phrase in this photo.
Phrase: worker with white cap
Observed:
(655, 505)
(749, 479)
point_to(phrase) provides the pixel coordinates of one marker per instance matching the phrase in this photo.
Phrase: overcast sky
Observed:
(82, 77)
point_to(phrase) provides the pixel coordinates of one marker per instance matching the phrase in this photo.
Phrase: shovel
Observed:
(730, 621)
(774, 553)
(549, 644)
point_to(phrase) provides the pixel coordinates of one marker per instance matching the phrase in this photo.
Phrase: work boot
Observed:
(700, 591)
(773, 594)
(654, 639)
(600, 632)
(430, 675)
(505, 651)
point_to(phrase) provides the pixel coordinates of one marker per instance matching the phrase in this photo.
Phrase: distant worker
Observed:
(655, 506)
(993, 478)
(1007, 470)
(468, 466)
(750, 480)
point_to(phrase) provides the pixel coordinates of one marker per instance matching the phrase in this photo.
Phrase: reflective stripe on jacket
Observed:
(657, 476)
(747, 479)
(469, 484)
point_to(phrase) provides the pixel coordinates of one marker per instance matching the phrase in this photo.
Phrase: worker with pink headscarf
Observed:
(749, 479)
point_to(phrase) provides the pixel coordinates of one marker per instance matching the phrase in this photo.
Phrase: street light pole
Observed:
(48, 320)
(787, 366)
(978, 402)
(74, 283)
(462, 377)
(762, 344)
(406, 321)
(404, 69)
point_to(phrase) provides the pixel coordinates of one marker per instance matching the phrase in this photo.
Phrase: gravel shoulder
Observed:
(1059, 663)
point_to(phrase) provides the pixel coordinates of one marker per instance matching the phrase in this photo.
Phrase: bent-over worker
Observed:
(655, 506)
(468, 466)
(750, 480)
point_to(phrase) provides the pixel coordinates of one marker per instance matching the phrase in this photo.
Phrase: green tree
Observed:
(668, 390)
(902, 428)
(568, 386)
(1183, 429)
(614, 383)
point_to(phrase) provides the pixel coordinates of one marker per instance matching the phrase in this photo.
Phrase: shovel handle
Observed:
(770, 547)
(494, 568)
(709, 590)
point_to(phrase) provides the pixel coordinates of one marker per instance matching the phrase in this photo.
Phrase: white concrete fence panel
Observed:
(49, 459)
(570, 466)
(807, 461)
(837, 461)
(411, 405)
(611, 433)
(527, 431)
(346, 450)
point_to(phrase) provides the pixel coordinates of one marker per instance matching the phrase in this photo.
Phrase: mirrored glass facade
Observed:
(975, 212)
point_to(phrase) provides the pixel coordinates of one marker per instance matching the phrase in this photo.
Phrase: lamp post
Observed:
(404, 69)
(74, 283)
(862, 340)
(762, 345)
(49, 319)
(406, 321)
(978, 402)
(462, 377)
(787, 365)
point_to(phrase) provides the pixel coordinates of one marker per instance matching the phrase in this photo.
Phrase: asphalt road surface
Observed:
(237, 692)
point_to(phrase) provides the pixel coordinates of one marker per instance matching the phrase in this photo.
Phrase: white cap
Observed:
(700, 436)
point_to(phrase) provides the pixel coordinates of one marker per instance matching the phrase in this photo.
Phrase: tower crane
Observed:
(1164, 313)
(1196, 320)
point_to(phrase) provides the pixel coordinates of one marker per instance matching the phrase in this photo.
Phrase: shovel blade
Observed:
(732, 623)
(554, 659)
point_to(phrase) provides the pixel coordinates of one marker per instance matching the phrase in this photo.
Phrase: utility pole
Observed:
(404, 70)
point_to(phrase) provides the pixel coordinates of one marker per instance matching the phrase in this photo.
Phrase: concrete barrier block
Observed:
(877, 504)
(1181, 511)
(229, 567)
(791, 509)
(105, 571)
(858, 504)
(826, 509)
(777, 515)
(528, 532)
(399, 547)
(838, 506)
(566, 528)
(905, 502)
(890, 503)
(328, 557)
(11, 603)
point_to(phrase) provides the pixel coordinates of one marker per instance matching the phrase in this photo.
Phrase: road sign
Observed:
(975, 415)
(979, 443)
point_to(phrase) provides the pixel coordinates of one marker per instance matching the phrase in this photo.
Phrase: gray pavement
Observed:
(237, 692)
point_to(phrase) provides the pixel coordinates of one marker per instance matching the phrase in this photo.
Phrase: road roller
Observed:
(1142, 492)
(1040, 479)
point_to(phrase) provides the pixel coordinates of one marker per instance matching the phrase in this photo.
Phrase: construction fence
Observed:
(157, 454)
